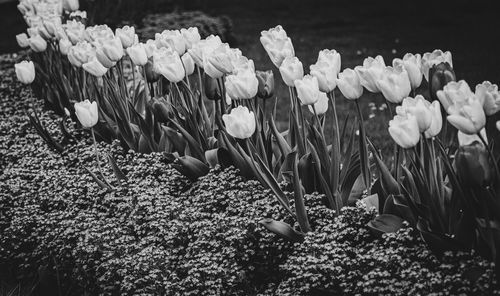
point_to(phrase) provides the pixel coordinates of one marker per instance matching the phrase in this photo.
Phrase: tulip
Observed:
(70, 5)
(440, 75)
(240, 62)
(487, 93)
(102, 57)
(137, 54)
(218, 62)
(75, 31)
(321, 105)
(266, 84)
(437, 120)
(25, 71)
(326, 75)
(307, 90)
(430, 59)
(94, 67)
(188, 63)
(454, 95)
(498, 125)
(211, 88)
(465, 139)
(349, 84)
(394, 84)
(468, 118)
(168, 63)
(113, 49)
(98, 33)
(127, 36)
(191, 36)
(204, 47)
(22, 40)
(151, 75)
(371, 72)
(37, 43)
(277, 45)
(418, 107)
(52, 25)
(243, 85)
(331, 57)
(80, 53)
(412, 64)
(291, 69)
(240, 123)
(404, 130)
(87, 113)
(150, 47)
(472, 165)
(64, 46)
(172, 39)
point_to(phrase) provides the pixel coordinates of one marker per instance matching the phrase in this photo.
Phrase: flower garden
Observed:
(157, 167)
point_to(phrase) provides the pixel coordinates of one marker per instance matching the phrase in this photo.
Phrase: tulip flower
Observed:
(465, 139)
(307, 90)
(394, 84)
(191, 36)
(218, 61)
(80, 53)
(51, 25)
(371, 72)
(277, 45)
(127, 36)
(212, 90)
(22, 40)
(98, 33)
(102, 57)
(94, 67)
(167, 62)
(240, 123)
(87, 113)
(331, 57)
(70, 5)
(243, 85)
(472, 165)
(498, 125)
(150, 47)
(412, 64)
(454, 94)
(321, 105)
(326, 75)
(430, 59)
(204, 47)
(37, 43)
(151, 75)
(137, 54)
(64, 46)
(418, 107)
(75, 31)
(487, 93)
(440, 75)
(404, 130)
(113, 49)
(172, 39)
(188, 63)
(291, 69)
(437, 120)
(25, 71)
(469, 118)
(349, 84)
(266, 84)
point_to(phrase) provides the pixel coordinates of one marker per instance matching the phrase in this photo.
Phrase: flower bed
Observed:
(160, 233)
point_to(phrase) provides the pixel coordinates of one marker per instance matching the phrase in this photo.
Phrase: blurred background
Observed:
(355, 28)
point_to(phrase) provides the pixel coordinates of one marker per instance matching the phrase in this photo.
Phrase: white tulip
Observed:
(277, 45)
(22, 40)
(291, 69)
(137, 54)
(307, 90)
(412, 64)
(349, 84)
(25, 71)
(321, 105)
(240, 123)
(371, 72)
(87, 113)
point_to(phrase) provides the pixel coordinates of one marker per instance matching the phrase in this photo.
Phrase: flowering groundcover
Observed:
(161, 234)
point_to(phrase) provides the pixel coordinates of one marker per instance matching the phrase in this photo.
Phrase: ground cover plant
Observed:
(228, 202)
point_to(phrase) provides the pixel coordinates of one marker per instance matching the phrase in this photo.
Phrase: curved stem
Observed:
(490, 153)
(97, 155)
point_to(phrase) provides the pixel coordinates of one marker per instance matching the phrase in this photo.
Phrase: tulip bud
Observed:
(371, 72)
(349, 84)
(291, 69)
(243, 85)
(394, 84)
(160, 109)
(191, 36)
(412, 64)
(87, 113)
(151, 75)
(25, 72)
(277, 45)
(22, 40)
(168, 63)
(472, 166)
(127, 36)
(137, 54)
(431, 59)
(266, 84)
(307, 90)
(321, 105)
(404, 130)
(70, 5)
(437, 120)
(94, 67)
(64, 46)
(188, 63)
(37, 43)
(440, 75)
(240, 123)
(487, 93)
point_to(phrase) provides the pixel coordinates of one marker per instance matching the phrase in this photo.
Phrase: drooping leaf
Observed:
(385, 223)
(282, 229)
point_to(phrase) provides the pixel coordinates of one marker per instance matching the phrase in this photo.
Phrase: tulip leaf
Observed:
(300, 208)
(193, 144)
(282, 229)
(385, 223)
(116, 170)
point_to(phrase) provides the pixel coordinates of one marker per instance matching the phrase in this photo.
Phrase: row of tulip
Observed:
(203, 103)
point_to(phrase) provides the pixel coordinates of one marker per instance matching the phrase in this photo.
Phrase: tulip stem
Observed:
(490, 153)
(133, 80)
(97, 156)
(335, 119)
